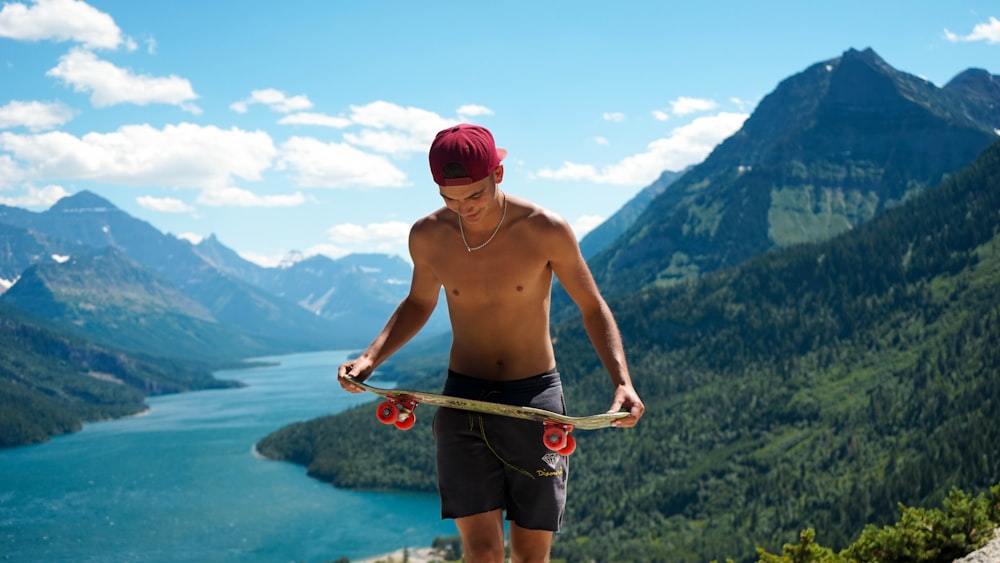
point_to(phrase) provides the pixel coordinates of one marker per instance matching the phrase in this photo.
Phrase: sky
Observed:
(295, 127)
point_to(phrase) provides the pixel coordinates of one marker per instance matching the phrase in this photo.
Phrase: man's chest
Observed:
(493, 277)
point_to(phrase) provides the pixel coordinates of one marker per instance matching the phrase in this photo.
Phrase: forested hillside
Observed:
(51, 383)
(619, 222)
(107, 298)
(85, 284)
(830, 148)
(812, 387)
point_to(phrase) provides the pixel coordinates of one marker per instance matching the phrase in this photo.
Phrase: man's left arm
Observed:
(574, 275)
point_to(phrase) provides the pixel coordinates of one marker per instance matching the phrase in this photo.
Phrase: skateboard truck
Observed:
(398, 411)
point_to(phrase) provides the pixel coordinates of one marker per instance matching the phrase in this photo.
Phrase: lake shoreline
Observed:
(182, 482)
(408, 554)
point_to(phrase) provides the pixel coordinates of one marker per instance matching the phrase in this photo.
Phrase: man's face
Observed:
(471, 201)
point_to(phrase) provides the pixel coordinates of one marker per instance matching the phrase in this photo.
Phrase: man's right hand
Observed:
(357, 370)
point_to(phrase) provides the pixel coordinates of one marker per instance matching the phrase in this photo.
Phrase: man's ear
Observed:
(498, 174)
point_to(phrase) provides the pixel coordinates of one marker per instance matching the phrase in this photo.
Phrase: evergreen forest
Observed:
(812, 388)
(51, 383)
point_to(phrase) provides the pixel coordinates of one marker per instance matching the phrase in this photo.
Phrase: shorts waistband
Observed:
(541, 381)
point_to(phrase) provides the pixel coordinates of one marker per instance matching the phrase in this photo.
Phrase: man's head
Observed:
(463, 154)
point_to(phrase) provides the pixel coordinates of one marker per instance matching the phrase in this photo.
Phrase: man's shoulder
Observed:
(433, 223)
(436, 218)
(547, 230)
(537, 217)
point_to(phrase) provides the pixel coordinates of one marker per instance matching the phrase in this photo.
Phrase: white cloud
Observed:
(393, 129)
(660, 115)
(686, 145)
(686, 106)
(110, 85)
(389, 237)
(585, 224)
(318, 119)
(182, 155)
(267, 261)
(193, 238)
(572, 171)
(36, 197)
(164, 204)
(36, 116)
(276, 100)
(389, 142)
(388, 128)
(614, 116)
(10, 173)
(60, 20)
(337, 165)
(385, 127)
(472, 110)
(373, 232)
(988, 32)
(381, 114)
(602, 141)
(739, 103)
(238, 197)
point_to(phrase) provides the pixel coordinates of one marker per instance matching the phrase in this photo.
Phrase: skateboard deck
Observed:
(400, 404)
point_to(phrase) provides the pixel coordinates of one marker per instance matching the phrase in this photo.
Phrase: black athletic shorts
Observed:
(486, 462)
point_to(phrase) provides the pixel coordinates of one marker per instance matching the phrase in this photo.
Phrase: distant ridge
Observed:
(827, 150)
(977, 92)
(87, 220)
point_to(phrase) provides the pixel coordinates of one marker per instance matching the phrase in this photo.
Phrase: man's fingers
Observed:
(346, 379)
(634, 414)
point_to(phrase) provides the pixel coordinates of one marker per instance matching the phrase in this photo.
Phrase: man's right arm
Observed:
(406, 321)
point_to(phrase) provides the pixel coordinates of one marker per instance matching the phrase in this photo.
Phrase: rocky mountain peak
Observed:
(83, 201)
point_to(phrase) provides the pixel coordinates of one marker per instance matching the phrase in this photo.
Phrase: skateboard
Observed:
(399, 405)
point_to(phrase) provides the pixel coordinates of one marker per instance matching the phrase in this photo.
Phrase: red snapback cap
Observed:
(463, 154)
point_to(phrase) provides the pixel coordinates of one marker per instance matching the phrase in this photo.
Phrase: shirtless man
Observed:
(495, 256)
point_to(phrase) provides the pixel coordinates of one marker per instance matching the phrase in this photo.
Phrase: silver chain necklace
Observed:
(461, 229)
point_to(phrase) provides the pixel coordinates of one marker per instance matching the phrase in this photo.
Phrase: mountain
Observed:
(977, 92)
(214, 276)
(827, 150)
(358, 291)
(51, 382)
(814, 386)
(20, 248)
(91, 280)
(228, 261)
(818, 382)
(612, 228)
(116, 302)
(330, 288)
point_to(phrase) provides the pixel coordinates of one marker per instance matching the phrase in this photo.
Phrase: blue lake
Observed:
(181, 483)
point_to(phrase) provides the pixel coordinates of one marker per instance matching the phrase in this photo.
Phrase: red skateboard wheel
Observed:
(570, 446)
(554, 437)
(406, 423)
(387, 413)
